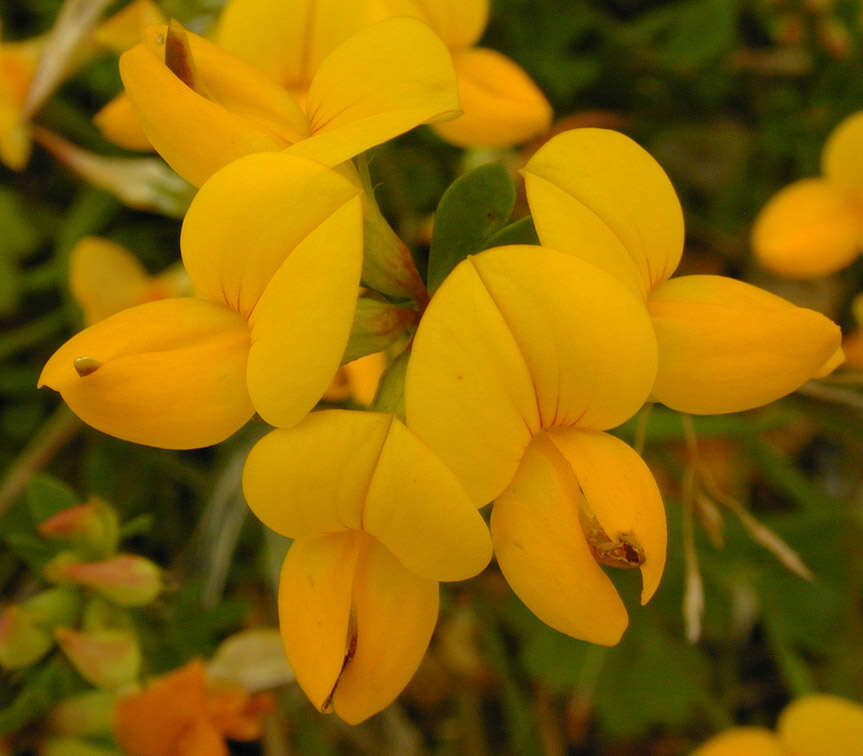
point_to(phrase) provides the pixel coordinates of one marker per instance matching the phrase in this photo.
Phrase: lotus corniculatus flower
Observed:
(377, 520)
(273, 247)
(814, 226)
(201, 107)
(724, 345)
(523, 360)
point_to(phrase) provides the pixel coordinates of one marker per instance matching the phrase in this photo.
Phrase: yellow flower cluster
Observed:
(524, 359)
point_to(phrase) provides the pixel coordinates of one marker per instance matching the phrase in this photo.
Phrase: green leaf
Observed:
(46, 496)
(474, 207)
(49, 683)
(521, 232)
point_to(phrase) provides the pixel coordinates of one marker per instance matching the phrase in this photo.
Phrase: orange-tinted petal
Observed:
(809, 229)
(728, 346)
(145, 725)
(383, 81)
(501, 105)
(541, 549)
(819, 724)
(395, 615)
(596, 194)
(622, 493)
(170, 373)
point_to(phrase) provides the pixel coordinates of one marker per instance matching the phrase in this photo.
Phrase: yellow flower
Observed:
(724, 345)
(377, 520)
(502, 106)
(814, 227)
(815, 725)
(17, 66)
(201, 108)
(273, 247)
(105, 278)
(524, 357)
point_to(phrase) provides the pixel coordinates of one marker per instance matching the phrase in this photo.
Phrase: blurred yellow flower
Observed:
(105, 278)
(18, 62)
(814, 226)
(502, 105)
(273, 247)
(201, 107)
(524, 357)
(814, 725)
(377, 520)
(724, 345)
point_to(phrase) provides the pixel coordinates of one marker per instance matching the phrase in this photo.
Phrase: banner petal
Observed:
(621, 201)
(419, 511)
(300, 325)
(314, 478)
(468, 392)
(586, 340)
(252, 215)
(385, 80)
(287, 41)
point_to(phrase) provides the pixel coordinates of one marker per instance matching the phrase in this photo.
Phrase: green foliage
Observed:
(475, 206)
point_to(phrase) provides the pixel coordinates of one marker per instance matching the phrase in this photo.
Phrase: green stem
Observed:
(60, 428)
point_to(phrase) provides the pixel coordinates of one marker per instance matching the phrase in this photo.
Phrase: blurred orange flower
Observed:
(183, 713)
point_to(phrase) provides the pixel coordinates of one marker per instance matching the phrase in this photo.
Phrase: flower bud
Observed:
(22, 641)
(105, 658)
(126, 579)
(89, 713)
(54, 606)
(91, 527)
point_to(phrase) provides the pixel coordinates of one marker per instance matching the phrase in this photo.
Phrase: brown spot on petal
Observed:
(623, 551)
